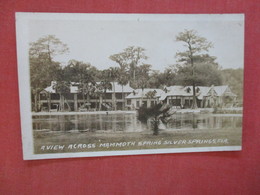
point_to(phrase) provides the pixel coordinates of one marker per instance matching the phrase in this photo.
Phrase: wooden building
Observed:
(143, 97)
(113, 99)
(207, 97)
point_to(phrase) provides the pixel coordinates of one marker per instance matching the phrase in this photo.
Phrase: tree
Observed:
(105, 84)
(156, 114)
(62, 86)
(47, 47)
(142, 74)
(206, 72)
(130, 59)
(113, 73)
(123, 79)
(195, 45)
(98, 93)
(42, 66)
(84, 75)
(234, 79)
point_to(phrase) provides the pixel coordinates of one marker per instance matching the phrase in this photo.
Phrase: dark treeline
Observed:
(194, 67)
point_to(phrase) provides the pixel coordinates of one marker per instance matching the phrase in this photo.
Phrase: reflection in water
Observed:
(202, 121)
(129, 123)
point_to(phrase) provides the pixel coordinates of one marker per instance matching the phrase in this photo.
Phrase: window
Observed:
(128, 102)
(119, 96)
(137, 104)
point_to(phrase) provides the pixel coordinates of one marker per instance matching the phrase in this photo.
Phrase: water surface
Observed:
(127, 122)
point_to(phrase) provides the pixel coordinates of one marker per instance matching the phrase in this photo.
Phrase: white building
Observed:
(146, 97)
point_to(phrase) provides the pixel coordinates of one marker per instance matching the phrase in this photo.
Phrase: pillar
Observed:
(75, 102)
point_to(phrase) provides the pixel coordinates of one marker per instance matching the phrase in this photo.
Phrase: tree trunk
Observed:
(100, 102)
(83, 95)
(141, 103)
(194, 99)
(123, 98)
(105, 92)
(114, 97)
(35, 102)
(194, 102)
(75, 102)
(134, 75)
(49, 102)
(88, 101)
(61, 102)
(156, 126)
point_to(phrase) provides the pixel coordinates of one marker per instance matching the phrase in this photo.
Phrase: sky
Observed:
(93, 38)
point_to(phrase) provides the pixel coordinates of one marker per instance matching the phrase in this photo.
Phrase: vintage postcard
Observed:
(126, 84)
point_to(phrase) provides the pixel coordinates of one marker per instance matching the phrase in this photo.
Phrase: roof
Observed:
(118, 88)
(203, 91)
(176, 90)
(74, 88)
(223, 90)
(139, 93)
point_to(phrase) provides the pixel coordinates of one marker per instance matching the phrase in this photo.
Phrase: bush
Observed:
(156, 113)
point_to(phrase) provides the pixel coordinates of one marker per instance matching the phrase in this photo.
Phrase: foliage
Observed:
(83, 74)
(47, 47)
(234, 78)
(206, 72)
(142, 74)
(43, 69)
(157, 113)
(194, 67)
(129, 60)
(150, 94)
(194, 45)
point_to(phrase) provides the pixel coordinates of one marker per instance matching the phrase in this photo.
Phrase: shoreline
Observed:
(83, 113)
(182, 111)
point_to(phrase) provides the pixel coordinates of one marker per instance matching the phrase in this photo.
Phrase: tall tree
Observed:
(42, 66)
(234, 78)
(113, 73)
(105, 85)
(123, 79)
(142, 73)
(130, 58)
(62, 86)
(206, 72)
(143, 77)
(47, 47)
(195, 45)
(83, 74)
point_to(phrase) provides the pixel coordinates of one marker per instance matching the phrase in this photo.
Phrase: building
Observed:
(73, 100)
(219, 96)
(124, 97)
(182, 97)
(143, 97)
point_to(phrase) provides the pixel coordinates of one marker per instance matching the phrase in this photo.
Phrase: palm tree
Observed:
(113, 75)
(105, 84)
(62, 87)
(123, 79)
(143, 77)
(84, 74)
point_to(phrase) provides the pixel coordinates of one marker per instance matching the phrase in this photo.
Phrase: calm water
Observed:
(129, 123)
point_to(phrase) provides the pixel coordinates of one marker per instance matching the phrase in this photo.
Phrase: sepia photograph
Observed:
(126, 84)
